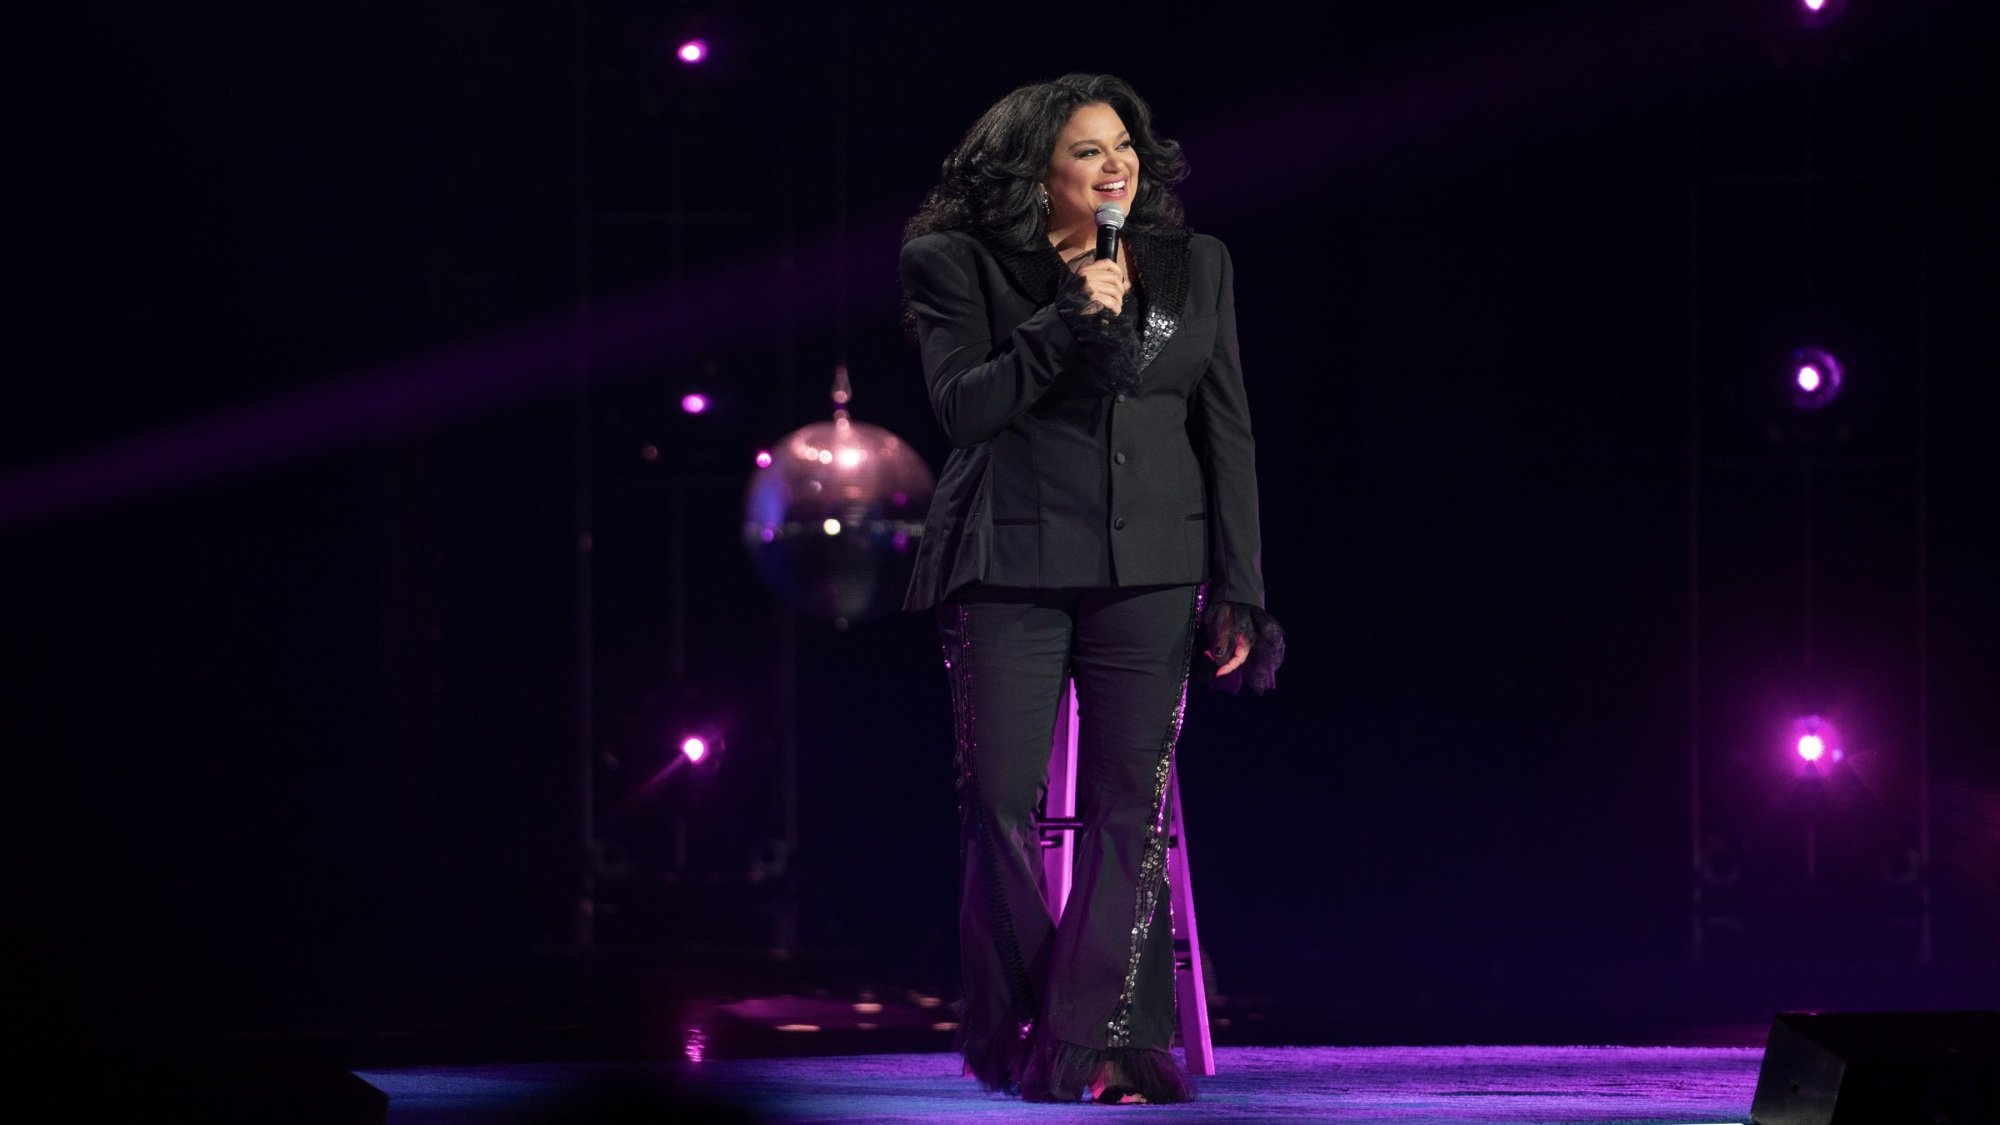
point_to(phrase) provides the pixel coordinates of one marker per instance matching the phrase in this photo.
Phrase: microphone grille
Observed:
(1110, 215)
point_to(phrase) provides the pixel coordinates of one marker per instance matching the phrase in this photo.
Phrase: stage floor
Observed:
(1405, 1085)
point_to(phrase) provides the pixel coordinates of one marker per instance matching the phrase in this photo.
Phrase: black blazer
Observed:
(1057, 477)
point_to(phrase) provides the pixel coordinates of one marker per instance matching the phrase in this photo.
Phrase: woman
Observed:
(1102, 472)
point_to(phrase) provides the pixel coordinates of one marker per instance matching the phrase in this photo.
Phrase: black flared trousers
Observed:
(1103, 978)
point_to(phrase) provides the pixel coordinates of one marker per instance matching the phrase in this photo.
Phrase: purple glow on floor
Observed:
(1405, 1085)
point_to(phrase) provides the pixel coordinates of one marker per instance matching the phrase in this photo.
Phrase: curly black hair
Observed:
(988, 182)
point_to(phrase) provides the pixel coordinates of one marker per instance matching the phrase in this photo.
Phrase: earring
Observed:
(1042, 198)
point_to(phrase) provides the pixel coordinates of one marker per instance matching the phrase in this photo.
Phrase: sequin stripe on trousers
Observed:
(1153, 864)
(1021, 1001)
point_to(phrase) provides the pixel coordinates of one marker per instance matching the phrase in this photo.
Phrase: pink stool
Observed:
(1059, 823)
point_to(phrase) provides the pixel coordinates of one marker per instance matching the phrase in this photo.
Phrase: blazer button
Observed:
(1118, 524)
(1119, 397)
(1118, 458)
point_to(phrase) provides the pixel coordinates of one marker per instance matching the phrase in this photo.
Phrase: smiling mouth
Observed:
(1111, 186)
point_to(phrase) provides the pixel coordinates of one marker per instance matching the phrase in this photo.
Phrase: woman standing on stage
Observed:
(1099, 509)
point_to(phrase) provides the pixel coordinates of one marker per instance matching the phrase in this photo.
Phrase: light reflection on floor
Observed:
(1403, 1085)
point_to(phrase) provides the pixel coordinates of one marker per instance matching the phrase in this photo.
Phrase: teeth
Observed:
(1115, 185)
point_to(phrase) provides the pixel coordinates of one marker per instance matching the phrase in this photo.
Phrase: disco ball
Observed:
(833, 516)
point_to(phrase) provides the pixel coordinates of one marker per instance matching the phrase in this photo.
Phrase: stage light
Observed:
(690, 751)
(1815, 740)
(1819, 13)
(830, 525)
(694, 402)
(763, 458)
(1815, 378)
(693, 51)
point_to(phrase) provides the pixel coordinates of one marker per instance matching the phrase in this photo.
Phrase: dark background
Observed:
(292, 714)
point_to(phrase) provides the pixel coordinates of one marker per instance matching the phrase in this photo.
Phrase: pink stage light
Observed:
(1815, 5)
(763, 458)
(1819, 13)
(694, 402)
(1816, 740)
(693, 51)
(1815, 378)
(694, 748)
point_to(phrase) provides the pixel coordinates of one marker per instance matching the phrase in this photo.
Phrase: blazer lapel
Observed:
(1166, 255)
(1037, 273)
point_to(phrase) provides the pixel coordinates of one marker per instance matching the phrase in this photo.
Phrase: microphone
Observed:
(1110, 217)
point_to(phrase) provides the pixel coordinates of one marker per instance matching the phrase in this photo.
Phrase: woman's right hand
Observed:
(1104, 283)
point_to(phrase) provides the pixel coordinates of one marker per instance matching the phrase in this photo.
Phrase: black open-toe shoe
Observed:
(1056, 1071)
(1118, 1088)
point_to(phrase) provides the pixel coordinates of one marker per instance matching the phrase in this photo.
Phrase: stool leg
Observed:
(1059, 809)
(1189, 988)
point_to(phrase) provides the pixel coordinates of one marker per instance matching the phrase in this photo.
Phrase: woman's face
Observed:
(1094, 163)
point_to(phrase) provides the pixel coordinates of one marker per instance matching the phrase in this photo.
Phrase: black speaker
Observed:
(1880, 1068)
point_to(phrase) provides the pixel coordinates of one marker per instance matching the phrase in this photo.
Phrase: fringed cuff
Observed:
(1058, 1071)
(1110, 343)
(1229, 623)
